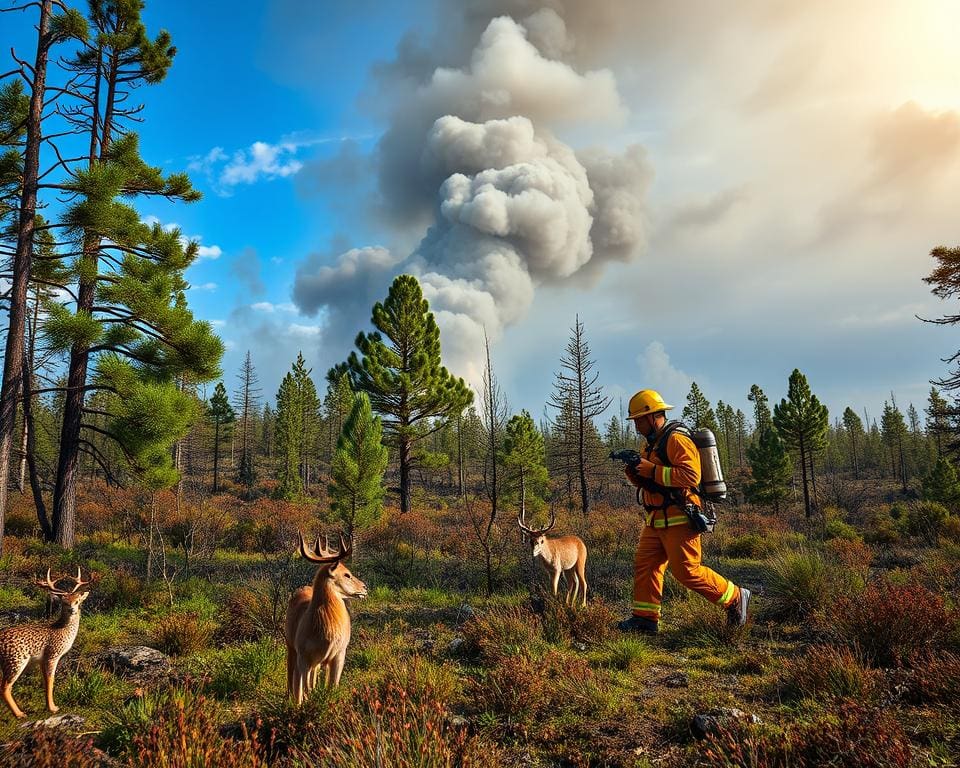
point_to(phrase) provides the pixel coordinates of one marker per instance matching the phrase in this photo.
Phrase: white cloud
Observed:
(204, 287)
(261, 159)
(209, 251)
(267, 306)
(218, 323)
(657, 372)
(308, 331)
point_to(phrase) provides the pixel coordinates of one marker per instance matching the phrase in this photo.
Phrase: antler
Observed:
(537, 531)
(79, 581)
(50, 584)
(328, 557)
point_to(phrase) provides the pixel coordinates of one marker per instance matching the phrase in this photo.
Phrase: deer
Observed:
(317, 630)
(44, 643)
(560, 554)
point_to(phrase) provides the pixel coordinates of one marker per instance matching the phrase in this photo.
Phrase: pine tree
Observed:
(772, 470)
(854, 429)
(404, 378)
(894, 430)
(336, 405)
(222, 414)
(493, 410)
(938, 419)
(740, 425)
(945, 280)
(131, 319)
(246, 402)
(523, 458)
(802, 423)
(697, 413)
(762, 418)
(356, 490)
(21, 120)
(578, 401)
(289, 423)
(940, 484)
(309, 406)
(726, 437)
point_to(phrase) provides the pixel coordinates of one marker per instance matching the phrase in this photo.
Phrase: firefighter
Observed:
(667, 487)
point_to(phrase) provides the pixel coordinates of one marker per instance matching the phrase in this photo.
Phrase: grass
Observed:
(532, 681)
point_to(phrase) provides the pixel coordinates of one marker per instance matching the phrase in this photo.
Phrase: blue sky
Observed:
(737, 192)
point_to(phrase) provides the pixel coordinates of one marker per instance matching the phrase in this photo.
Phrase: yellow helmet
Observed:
(644, 402)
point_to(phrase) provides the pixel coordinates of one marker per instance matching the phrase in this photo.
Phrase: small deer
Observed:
(560, 554)
(44, 643)
(317, 628)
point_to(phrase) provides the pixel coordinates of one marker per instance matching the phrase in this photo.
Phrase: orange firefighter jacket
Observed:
(682, 471)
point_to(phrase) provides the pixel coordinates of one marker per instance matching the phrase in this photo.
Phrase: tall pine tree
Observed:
(399, 367)
(222, 415)
(802, 422)
(578, 400)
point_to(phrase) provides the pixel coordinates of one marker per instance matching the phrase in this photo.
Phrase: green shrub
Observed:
(242, 669)
(838, 529)
(181, 634)
(93, 687)
(924, 520)
(750, 545)
(798, 585)
(881, 528)
(119, 588)
(493, 634)
(622, 653)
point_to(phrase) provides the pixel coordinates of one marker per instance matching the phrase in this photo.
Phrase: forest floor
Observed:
(850, 654)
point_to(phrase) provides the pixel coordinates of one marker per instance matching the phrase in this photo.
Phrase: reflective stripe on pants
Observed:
(679, 547)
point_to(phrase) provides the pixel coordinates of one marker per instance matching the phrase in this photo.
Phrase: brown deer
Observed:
(44, 643)
(560, 554)
(318, 624)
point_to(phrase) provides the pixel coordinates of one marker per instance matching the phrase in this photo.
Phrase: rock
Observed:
(458, 721)
(710, 722)
(580, 647)
(465, 612)
(677, 680)
(59, 722)
(137, 662)
(454, 646)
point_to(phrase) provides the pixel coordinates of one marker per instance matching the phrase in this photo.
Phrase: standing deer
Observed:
(43, 643)
(560, 554)
(318, 625)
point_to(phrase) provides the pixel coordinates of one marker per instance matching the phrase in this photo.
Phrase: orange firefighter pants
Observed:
(679, 547)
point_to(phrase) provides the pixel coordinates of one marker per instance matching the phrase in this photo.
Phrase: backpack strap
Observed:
(671, 496)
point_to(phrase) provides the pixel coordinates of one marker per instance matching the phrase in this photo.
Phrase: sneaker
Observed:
(639, 624)
(737, 610)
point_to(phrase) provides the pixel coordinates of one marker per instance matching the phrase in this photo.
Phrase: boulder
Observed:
(712, 721)
(136, 662)
(59, 722)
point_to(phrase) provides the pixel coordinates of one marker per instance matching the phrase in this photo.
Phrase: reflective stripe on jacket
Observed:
(683, 471)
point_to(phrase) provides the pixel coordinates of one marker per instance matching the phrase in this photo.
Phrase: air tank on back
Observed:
(711, 475)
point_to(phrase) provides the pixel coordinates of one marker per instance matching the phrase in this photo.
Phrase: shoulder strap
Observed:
(660, 447)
